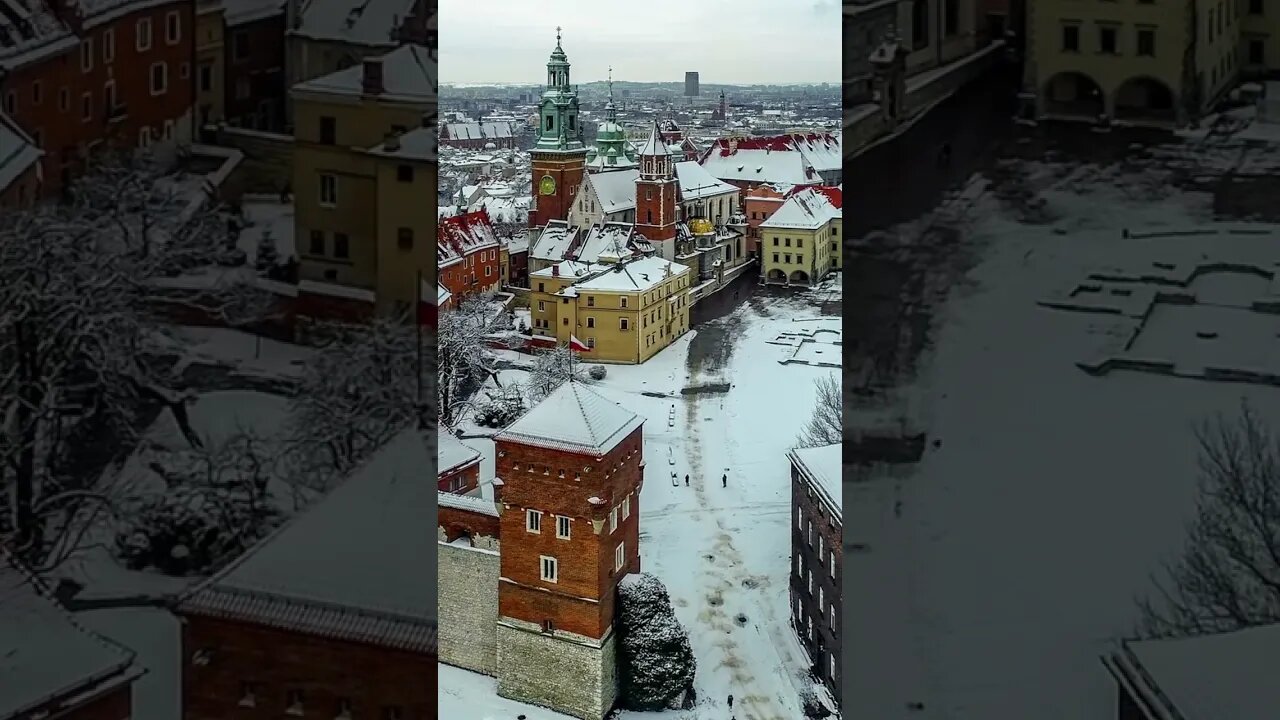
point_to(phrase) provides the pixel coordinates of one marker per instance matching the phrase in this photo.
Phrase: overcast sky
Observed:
(735, 42)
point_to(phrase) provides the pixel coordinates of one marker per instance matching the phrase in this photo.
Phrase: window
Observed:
(799, 520)
(341, 245)
(248, 694)
(799, 566)
(620, 556)
(591, 343)
(1071, 38)
(775, 257)
(533, 521)
(626, 507)
(1107, 40)
(108, 45)
(168, 129)
(144, 137)
(206, 78)
(624, 324)
(328, 190)
(550, 569)
(240, 46)
(810, 576)
(1147, 43)
(64, 100)
(542, 306)
(159, 78)
(86, 54)
(172, 28)
(109, 96)
(293, 702)
(820, 548)
(799, 258)
(548, 626)
(786, 242)
(591, 301)
(143, 35)
(820, 603)
(832, 558)
(1257, 52)
(591, 322)
(808, 532)
(317, 242)
(86, 106)
(613, 520)
(622, 302)
(328, 130)
(832, 608)
(563, 526)
(488, 270)
(404, 173)
(404, 238)
(831, 672)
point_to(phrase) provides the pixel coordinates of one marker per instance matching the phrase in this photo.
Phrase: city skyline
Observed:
(707, 38)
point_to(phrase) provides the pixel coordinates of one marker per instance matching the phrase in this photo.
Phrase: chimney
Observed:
(371, 82)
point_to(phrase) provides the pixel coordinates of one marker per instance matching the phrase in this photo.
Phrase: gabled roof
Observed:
(611, 240)
(1207, 677)
(46, 657)
(359, 22)
(29, 31)
(554, 241)
(357, 565)
(823, 468)
(408, 75)
(451, 453)
(772, 160)
(696, 182)
(477, 131)
(633, 276)
(616, 191)
(808, 209)
(575, 419)
(654, 145)
(463, 234)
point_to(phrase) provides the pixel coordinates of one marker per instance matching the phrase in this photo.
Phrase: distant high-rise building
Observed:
(691, 84)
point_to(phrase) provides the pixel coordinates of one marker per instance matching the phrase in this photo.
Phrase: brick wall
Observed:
(816, 537)
(462, 480)
(468, 606)
(277, 662)
(560, 484)
(268, 158)
(455, 523)
(584, 679)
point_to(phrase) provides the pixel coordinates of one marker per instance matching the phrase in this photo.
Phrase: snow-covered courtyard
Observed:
(987, 581)
(723, 400)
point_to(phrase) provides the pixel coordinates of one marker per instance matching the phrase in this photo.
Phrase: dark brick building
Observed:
(254, 93)
(817, 558)
(458, 468)
(89, 678)
(333, 616)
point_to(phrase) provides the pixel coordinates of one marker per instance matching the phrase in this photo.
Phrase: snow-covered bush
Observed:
(551, 368)
(656, 660)
(597, 372)
(499, 410)
(191, 531)
(267, 254)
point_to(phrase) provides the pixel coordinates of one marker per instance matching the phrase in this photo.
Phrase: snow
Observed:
(361, 548)
(1215, 676)
(808, 209)
(823, 466)
(1017, 538)
(573, 418)
(419, 144)
(760, 160)
(240, 12)
(249, 354)
(46, 653)
(473, 696)
(343, 291)
(408, 72)
(361, 22)
(452, 453)
(696, 182)
(554, 241)
(156, 636)
(477, 131)
(654, 145)
(639, 275)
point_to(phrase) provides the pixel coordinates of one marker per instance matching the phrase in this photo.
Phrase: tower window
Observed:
(550, 123)
(550, 569)
(571, 122)
(533, 521)
(563, 525)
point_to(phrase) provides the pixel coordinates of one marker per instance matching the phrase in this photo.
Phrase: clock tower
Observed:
(559, 158)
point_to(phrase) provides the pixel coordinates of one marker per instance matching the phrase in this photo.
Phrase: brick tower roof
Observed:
(573, 418)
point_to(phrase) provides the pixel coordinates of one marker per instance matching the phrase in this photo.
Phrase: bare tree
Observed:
(826, 426)
(357, 392)
(552, 368)
(1228, 576)
(462, 348)
(79, 306)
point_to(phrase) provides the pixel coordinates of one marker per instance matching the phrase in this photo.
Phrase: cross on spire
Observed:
(557, 36)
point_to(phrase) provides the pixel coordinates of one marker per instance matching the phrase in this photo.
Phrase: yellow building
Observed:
(1141, 62)
(621, 312)
(800, 243)
(364, 174)
(210, 40)
(935, 32)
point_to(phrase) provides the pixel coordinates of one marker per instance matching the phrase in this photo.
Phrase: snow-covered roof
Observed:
(573, 418)
(467, 503)
(239, 12)
(554, 240)
(771, 160)
(822, 150)
(419, 144)
(463, 234)
(808, 209)
(696, 182)
(1224, 675)
(477, 131)
(357, 565)
(636, 275)
(615, 191)
(359, 22)
(654, 145)
(510, 210)
(609, 240)
(823, 466)
(442, 294)
(568, 268)
(451, 453)
(17, 152)
(46, 656)
(408, 75)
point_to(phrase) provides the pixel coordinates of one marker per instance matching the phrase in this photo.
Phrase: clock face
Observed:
(547, 185)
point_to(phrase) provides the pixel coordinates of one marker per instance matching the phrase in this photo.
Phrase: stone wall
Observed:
(468, 605)
(584, 682)
(268, 159)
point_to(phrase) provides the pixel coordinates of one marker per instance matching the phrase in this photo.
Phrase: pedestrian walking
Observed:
(724, 480)
(730, 702)
(686, 479)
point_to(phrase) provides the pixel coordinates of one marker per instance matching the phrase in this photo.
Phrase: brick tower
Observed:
(571, 468)
(559, 158)
(656, 202)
